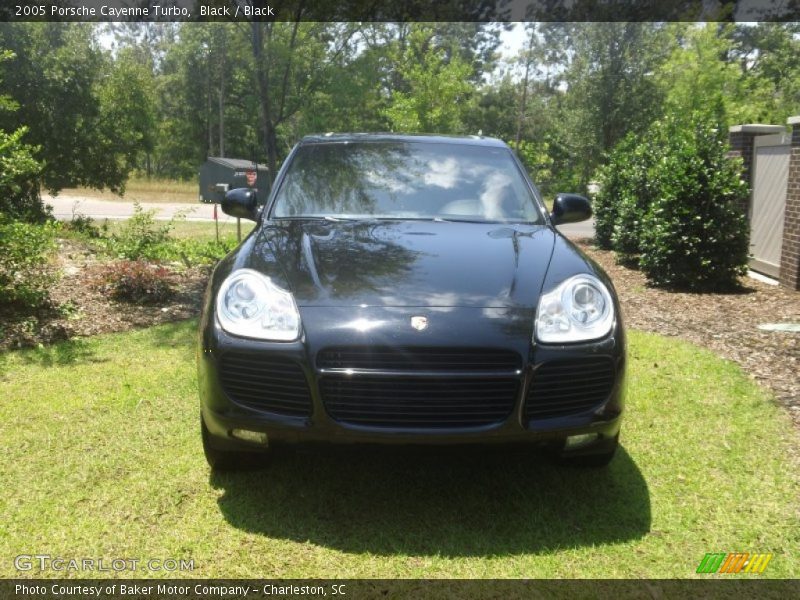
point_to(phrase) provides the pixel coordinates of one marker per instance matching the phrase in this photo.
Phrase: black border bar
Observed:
(387, 589)
(400, 10)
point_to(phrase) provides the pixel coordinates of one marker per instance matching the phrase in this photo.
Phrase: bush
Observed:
(140, 236)
(84, 227)
(628, 187)
(641, 190)
(196, 252)
(24, 252)
(670, 203)
(19, 173)
(695, 235)
(136, 281)
(614, 180)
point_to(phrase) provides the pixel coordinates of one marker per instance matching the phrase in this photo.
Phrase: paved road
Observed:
(64, 206)
(576, 231)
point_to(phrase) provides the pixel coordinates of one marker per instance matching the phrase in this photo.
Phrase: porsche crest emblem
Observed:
(419, 323)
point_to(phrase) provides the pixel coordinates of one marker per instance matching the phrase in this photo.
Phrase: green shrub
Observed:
(670, 202)
(614, 179)
(695, 235)
(19, 184)
(628, 187)
(140, 237)
(84, 227)
(197, 252)
(24, 253)
(640, 190)
(605, 205)
(136, 281)
(143, 238)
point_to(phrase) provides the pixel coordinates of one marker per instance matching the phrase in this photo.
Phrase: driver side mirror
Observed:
(241, 203)
(570, 208)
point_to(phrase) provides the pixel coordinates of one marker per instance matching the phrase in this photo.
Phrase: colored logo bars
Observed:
(733, 562)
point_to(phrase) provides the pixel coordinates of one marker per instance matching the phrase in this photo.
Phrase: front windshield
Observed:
(405, 180)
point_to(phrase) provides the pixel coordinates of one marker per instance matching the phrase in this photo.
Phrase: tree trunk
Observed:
(209, 128)
(223, 67)
(222, 119)
(269, 138)
(523, 105)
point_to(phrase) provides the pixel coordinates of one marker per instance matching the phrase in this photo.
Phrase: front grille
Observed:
(264, 382)
(568, 387)
(409, 402)
(389, 358)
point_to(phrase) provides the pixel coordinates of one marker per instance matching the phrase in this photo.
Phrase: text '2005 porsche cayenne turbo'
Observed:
(409, 290)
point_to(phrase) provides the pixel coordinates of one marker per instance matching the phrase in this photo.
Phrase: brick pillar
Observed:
(790, 250)
(741, 141)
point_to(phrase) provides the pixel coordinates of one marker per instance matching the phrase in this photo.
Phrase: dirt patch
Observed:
(725, 323)
(78, 308)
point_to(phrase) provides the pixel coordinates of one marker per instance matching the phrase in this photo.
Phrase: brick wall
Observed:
(790, 251)
(742, 147)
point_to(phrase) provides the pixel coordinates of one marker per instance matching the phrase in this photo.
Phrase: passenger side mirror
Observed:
(570, 208)
(241, 203)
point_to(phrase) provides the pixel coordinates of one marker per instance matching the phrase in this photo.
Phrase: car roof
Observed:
(471, 140)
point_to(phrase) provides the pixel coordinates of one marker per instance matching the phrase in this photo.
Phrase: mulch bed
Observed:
(78, 308)
(724, 323)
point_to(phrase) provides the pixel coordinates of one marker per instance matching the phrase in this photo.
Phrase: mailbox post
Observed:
(221, 189)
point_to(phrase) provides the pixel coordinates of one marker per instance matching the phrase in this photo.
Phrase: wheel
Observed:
(589, 457)
(228, 460)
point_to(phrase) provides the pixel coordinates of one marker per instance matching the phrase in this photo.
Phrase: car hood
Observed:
(405, 263)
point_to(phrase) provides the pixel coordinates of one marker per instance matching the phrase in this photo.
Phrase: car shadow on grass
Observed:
(452, 503)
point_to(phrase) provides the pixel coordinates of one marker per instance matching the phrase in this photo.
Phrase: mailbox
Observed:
(218, 175)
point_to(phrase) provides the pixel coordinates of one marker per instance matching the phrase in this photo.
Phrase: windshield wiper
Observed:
(312, 218)
(452, 220)
(485, 221)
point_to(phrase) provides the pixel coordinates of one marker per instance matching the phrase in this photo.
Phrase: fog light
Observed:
(576, 441)
(255, 437)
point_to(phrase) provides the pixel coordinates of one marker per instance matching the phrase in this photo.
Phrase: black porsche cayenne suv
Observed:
(409, 290)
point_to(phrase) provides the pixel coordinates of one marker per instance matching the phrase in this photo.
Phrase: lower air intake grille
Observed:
(568, 387)
(264, 382)
(411, 403)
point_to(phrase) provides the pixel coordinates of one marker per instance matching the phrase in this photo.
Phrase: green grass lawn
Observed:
(205, 230)
(102, 457)
(197, 230)
(141, 189)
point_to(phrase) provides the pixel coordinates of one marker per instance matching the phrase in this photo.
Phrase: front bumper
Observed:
(458, 327)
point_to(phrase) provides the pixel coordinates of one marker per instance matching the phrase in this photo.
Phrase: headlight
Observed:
(578, 310)
(250, 305)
